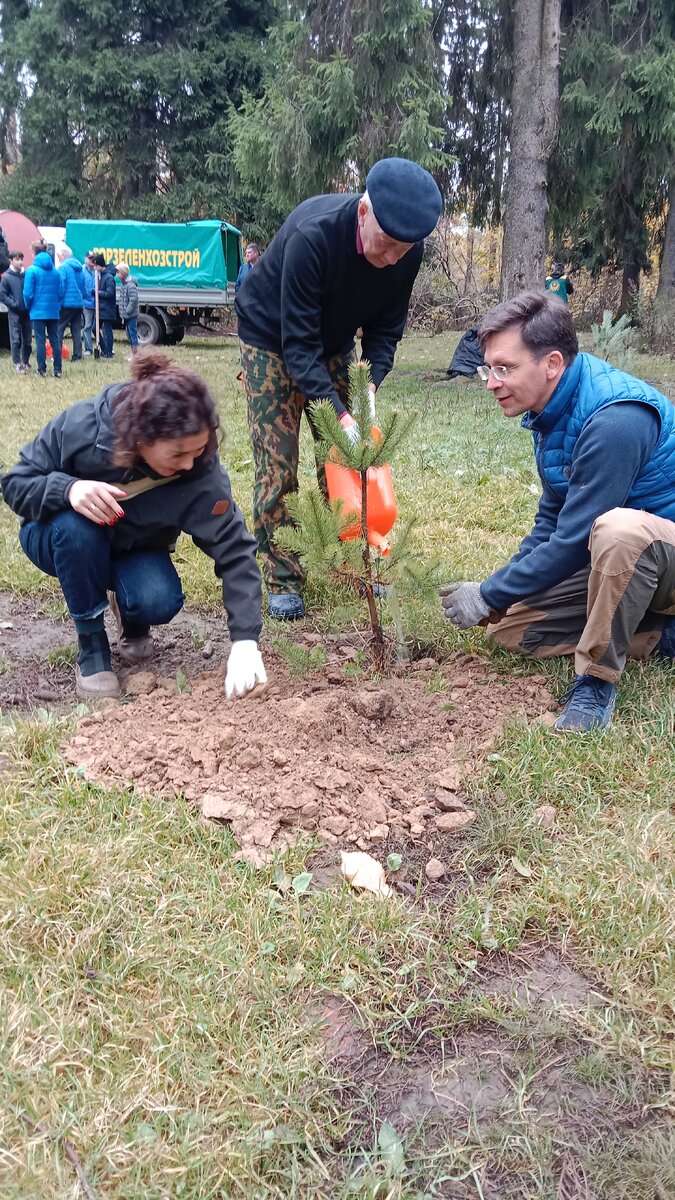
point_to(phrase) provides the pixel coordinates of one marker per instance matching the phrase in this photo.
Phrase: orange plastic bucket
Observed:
(345, 485)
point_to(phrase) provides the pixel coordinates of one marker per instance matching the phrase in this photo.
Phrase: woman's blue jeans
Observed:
(79, 554)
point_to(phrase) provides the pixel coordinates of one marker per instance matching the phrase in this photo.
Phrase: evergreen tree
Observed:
(348, 82)
(617, 133)
(12, 14)
(123, 106)
(335, 543)
(476, 40)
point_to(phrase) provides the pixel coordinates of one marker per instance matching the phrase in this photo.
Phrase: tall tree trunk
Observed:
(666, 288)
(630, 280)
(534, 126)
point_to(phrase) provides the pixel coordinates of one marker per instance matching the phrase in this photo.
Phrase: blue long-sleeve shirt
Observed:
(610, 452)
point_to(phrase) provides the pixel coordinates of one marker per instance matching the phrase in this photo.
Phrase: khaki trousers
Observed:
(613, 609)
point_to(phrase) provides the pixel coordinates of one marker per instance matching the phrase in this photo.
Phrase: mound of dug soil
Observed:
(351, 761)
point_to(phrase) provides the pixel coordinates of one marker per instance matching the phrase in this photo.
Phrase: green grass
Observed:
(160, 1000)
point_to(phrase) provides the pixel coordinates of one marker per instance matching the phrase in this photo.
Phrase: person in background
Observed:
(11, 295)
(43, 292)
(127, 302)
(595, 577)
(104, 491)
(89, 302)
(4, 253)
(73, 299)
(251, 256)
(558, 283)
(338, 263)
(107, 304)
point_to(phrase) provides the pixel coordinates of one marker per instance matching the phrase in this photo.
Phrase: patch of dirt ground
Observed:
(32, 642)
(438, 1090)
(355, 762)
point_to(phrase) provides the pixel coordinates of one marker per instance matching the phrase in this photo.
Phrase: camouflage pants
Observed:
(275, 408)
(613, 609)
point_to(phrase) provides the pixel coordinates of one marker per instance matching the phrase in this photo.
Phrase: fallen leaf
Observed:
(521, 867)
(546, 815)
(364, 872)
(301, 882)
(391, 1150)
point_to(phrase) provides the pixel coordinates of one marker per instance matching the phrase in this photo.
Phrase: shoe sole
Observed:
(86, 695)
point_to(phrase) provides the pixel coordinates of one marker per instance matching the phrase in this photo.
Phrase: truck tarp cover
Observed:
(197, 254)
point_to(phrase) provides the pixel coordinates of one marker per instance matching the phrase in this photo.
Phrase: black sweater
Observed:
(312, 290)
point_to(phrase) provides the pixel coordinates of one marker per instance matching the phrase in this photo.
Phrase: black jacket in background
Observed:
(11, 292)
(107, 294)
(311, 291)
(78, 444)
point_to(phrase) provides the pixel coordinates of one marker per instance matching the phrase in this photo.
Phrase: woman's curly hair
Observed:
(162, 402)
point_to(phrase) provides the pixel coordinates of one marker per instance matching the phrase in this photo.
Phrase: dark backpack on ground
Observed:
(468, 356)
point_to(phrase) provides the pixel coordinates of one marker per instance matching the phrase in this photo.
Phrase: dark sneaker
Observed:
(42, 374)
(57, 374)
(666, 646)
(589, 704)
(286, 606)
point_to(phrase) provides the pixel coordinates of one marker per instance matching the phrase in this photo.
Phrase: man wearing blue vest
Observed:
(595, 577)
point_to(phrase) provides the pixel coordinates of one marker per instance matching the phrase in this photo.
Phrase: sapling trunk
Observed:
(377, 638)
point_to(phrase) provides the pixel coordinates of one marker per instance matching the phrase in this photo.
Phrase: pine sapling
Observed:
(318, 535)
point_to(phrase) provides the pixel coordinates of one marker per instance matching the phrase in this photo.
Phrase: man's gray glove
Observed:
(463, 604)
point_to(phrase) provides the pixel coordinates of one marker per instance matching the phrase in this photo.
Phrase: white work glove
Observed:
(371, 401)
(350, 427)
(245, 669)
(463, 604)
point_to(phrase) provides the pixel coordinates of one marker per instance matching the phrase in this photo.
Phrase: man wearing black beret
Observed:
(338, 264)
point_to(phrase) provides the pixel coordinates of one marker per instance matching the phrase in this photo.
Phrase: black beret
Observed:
(405, 198)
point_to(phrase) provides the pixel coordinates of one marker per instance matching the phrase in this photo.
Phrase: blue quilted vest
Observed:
(588, 385)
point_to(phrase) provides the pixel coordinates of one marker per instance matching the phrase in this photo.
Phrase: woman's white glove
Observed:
(371, 401)
(245, 669)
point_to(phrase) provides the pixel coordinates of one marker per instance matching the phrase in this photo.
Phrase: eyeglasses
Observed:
(501, 373)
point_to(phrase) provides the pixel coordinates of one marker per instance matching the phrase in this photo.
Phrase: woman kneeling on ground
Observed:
(104, 491)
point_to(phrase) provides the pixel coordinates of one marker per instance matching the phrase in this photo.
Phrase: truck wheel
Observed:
(175, 335)
(149, 330)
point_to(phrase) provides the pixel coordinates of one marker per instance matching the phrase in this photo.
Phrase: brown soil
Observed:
(28, 637)
(358, 763)
(441, 1083)
(379, 767)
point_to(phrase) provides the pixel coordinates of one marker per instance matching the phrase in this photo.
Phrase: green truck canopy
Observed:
(195, 254)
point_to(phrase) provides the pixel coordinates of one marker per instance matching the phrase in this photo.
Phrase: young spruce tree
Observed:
(316, 535)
